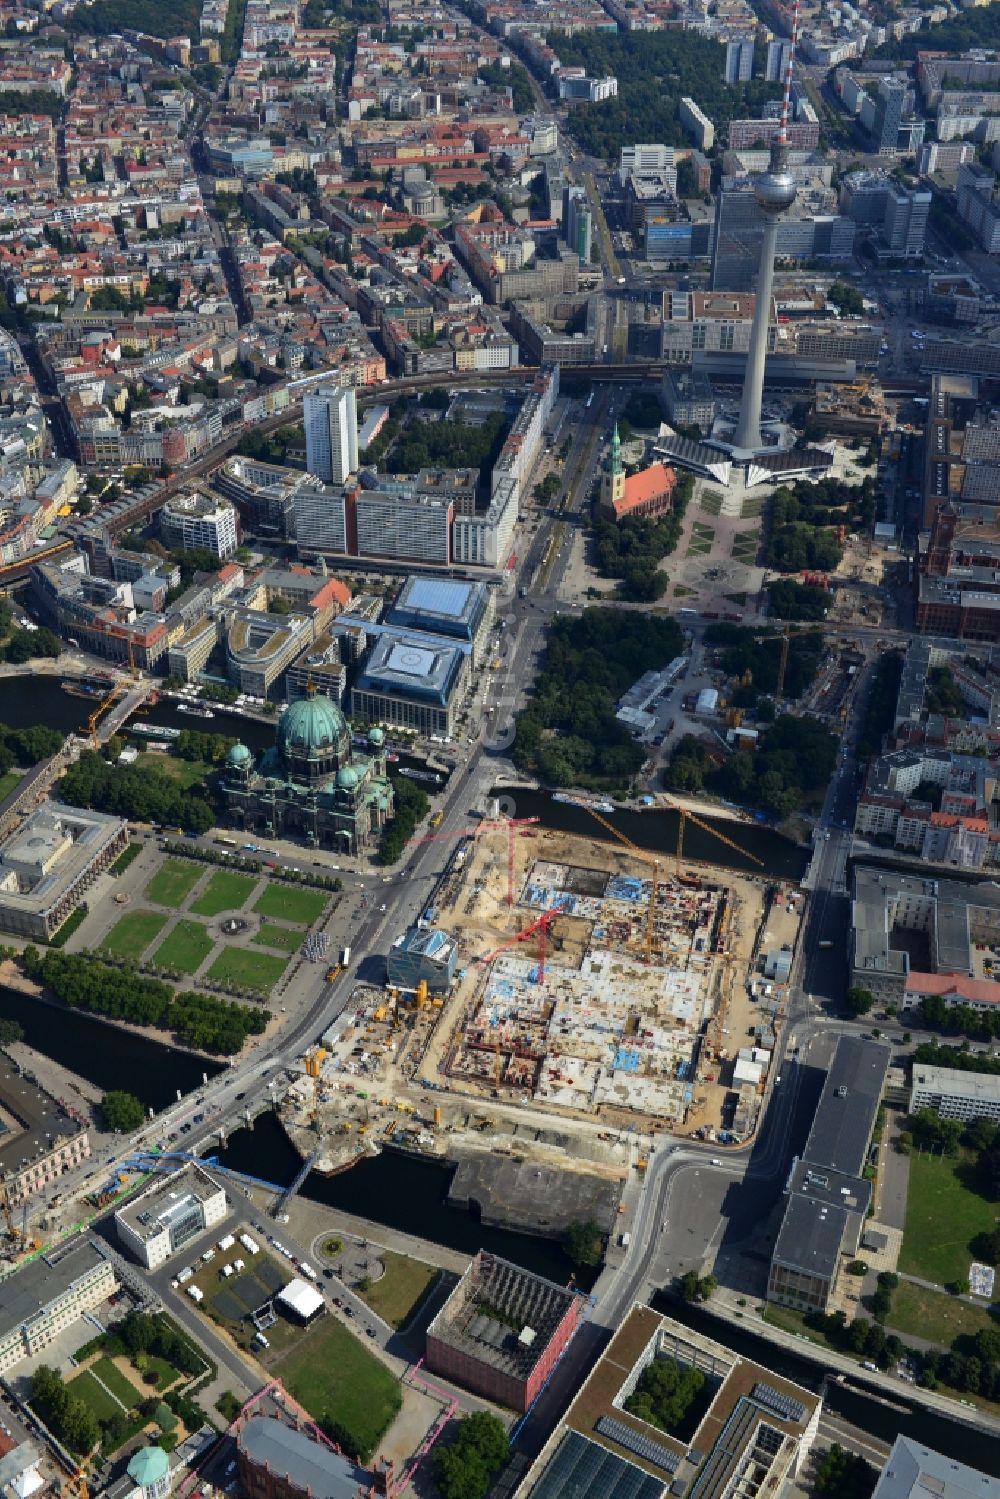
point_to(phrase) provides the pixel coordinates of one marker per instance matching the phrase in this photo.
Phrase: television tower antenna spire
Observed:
(775, 194)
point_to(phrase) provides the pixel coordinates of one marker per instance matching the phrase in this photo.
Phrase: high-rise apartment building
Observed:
(331, 423)
(778, 55)
(739, 61)
(894, 130)
(577, 222)
(904, 227)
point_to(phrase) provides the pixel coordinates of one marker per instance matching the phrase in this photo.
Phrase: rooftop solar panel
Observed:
(634, 1441)
(775, 1400)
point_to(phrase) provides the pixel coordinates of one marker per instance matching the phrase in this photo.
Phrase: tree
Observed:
(844, 1475)
(460, 1474)
(666, 1393)
(688, 1286)
(859, 1001)
(986, 1247)
(846, 298)
(584, 1242)
(123, 1112)
(790, 600)
(466, 1468)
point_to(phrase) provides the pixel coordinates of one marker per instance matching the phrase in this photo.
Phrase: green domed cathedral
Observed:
(312, 785)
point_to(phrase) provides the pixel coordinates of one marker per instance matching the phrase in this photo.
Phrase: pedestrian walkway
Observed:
(725, 1304)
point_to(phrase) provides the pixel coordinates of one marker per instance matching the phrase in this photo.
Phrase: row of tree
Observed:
(199, 1020)
(568, 734)
(961, 1020)
(880, 711)
(141, 794)
(68, 1418)
(26, 747)
(411, 806)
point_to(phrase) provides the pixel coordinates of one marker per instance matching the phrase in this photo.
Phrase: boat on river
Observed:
(582, 801)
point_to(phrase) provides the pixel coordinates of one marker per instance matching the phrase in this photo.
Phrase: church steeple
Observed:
(613, 477)
(617, 466)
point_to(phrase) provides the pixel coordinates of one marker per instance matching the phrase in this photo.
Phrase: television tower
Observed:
(775, 194)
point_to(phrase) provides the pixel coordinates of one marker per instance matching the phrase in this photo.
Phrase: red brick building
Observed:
(502, 1331)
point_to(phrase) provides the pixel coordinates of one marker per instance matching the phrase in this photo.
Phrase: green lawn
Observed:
(168, 1374)
(933, 1315)
(94, 1397)
(291, 903)
(284, 938)
(401, 1289)
(225, 891)
(118, 1383)
(125, 859)
(173, 882)
(944, 1211)
(751, 506)
(186, 773)
(8, 781)
(791, 1321)
(710, 500)
(745, 546)
(186, 947)
(130, 937)
(334, 1376)
(248, 968)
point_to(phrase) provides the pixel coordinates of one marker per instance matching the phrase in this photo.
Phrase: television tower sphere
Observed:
(775, 190)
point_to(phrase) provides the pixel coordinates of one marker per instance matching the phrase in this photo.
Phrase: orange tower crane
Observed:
(685, 816)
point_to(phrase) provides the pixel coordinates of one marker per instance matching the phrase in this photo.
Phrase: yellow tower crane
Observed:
(100, 710)
(684, 815)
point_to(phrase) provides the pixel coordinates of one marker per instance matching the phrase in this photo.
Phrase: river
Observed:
(656, 829)
(955, 1439)
(105, 1055)
(398, 1190)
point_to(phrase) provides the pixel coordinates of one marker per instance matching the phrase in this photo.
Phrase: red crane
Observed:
(473, 831)
(541, 926)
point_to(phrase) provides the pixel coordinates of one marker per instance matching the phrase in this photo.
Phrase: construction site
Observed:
(603, 993)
